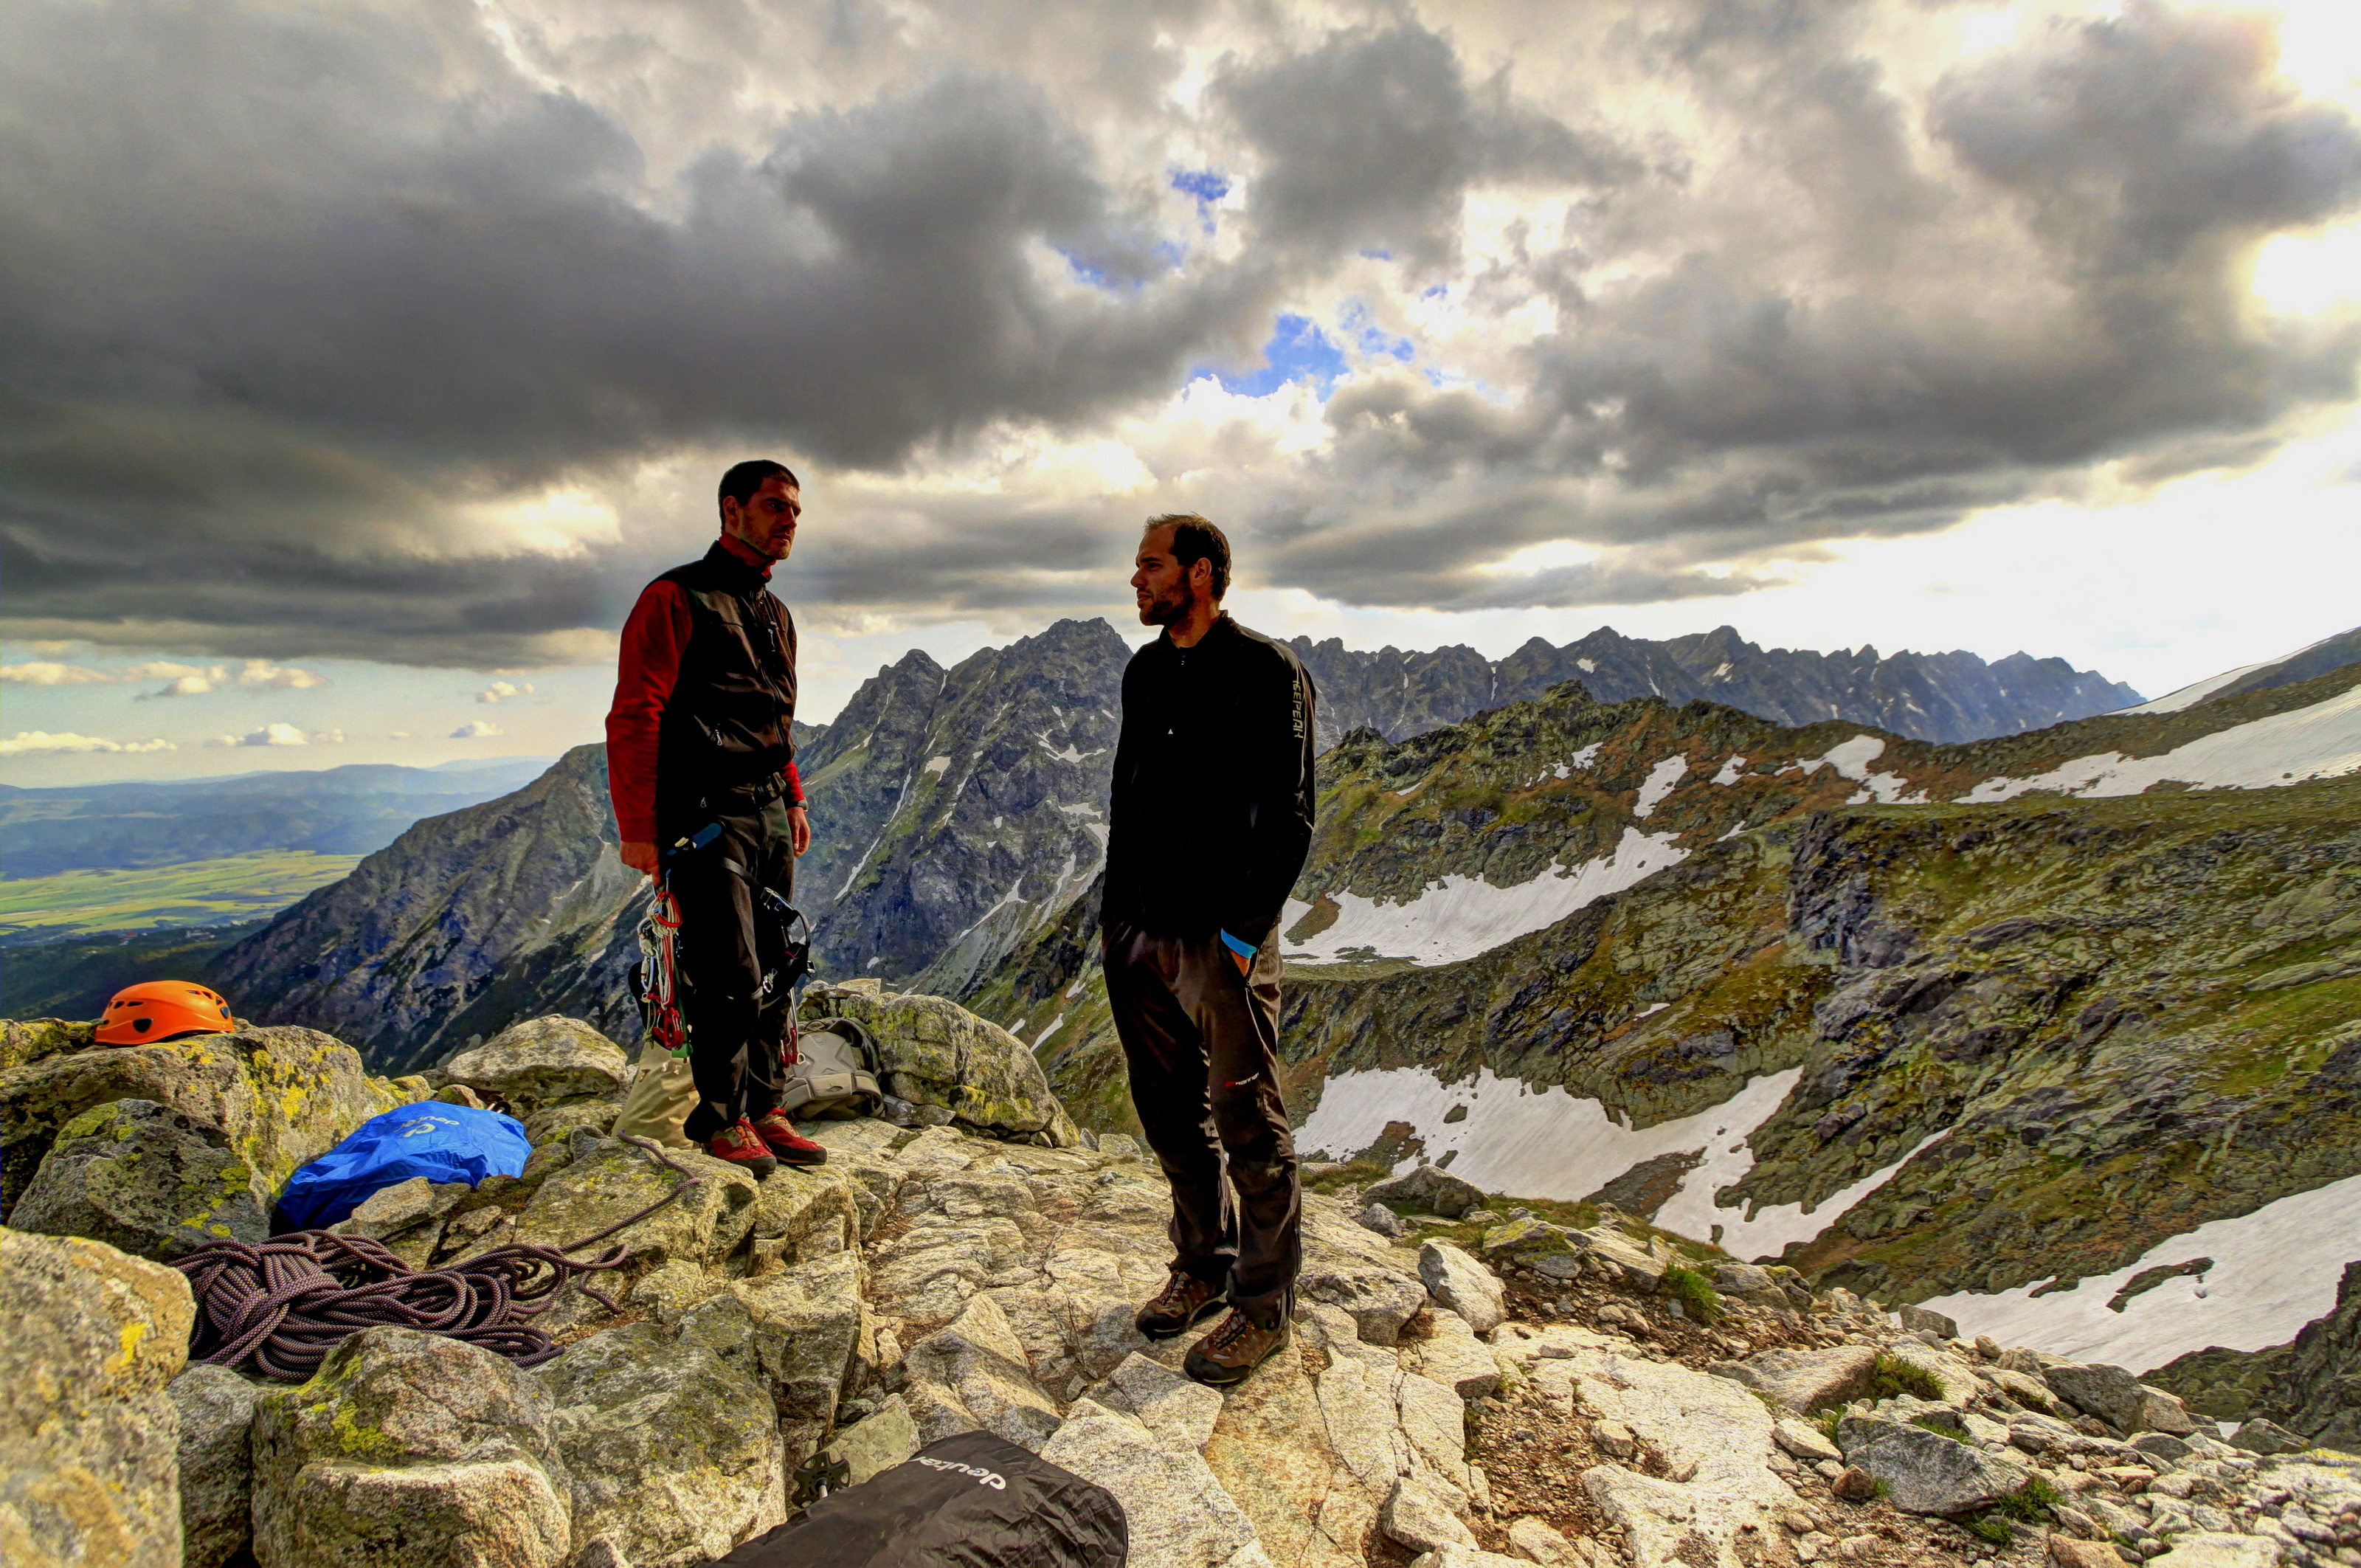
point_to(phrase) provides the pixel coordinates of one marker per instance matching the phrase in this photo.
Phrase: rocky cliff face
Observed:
(463, 925)
(1927, 696)
(953, 811)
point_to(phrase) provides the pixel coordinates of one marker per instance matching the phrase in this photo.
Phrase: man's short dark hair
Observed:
(1195, 540)
(745, 478)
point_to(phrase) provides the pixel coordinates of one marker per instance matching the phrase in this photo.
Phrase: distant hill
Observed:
(349, 810)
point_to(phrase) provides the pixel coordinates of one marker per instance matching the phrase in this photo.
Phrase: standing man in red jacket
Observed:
(700, 762)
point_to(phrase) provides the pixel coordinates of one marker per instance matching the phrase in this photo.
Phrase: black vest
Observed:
(729, 721)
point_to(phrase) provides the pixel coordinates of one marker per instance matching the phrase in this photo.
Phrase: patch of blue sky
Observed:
(1298, 351)
(1372, 339)
(1094, 276)
(1205, 185)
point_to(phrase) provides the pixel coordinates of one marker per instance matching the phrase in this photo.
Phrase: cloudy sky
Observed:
(358, 363)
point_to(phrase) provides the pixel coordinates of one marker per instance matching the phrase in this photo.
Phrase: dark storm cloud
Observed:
(293, 302)
(1372, 140)
(2139, 146)
(1928, 362)
(306, 303)
(485, 291)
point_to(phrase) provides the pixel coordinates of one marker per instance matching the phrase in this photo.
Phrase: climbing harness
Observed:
(655, 978)
(283, 1304)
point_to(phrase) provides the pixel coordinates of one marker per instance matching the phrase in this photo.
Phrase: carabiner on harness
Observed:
(657, 981)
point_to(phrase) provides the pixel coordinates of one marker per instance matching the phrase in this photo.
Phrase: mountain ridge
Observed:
(1950, 697)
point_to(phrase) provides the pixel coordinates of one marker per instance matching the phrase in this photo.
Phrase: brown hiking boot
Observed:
(742, 1147)
(792, 1147)
(1236, 1347)
(1183, 1301)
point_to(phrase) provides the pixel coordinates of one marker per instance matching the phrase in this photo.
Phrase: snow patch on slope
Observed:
(1765, 1232)
(2274, 1271)
(1850, 759)
(1660, 782)
(1545, 1143)
(2319, 741)
(1460, 916)
(1565, 770)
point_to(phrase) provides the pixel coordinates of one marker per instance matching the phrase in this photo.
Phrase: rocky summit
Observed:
(1472, 1382)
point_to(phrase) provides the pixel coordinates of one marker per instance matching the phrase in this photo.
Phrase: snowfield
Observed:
(2274, 1271)
(2319, 741)
(1850, 759)
(1545, 1143)
(1460, 916)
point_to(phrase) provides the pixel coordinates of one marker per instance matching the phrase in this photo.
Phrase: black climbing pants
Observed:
(1202, 1044)
(727, 945)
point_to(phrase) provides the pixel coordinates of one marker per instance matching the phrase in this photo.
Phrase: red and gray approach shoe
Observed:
(792, 1147)
(742, 1147)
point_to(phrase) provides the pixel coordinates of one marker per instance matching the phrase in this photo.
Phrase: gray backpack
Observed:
(835, 1075)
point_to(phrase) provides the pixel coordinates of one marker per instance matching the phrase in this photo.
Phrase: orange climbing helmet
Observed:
(163, 1010)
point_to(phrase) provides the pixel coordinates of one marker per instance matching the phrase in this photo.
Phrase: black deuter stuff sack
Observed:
(970, 1501)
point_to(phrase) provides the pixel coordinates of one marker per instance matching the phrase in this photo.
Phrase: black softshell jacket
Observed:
(1211, 816)
(731, 720)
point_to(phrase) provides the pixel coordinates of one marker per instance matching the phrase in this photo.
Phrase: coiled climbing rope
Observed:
(283, 1304)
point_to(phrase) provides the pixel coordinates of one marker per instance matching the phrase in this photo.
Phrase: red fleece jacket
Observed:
(654, 637)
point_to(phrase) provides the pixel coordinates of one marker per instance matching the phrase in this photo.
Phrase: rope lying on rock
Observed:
(283, 1304)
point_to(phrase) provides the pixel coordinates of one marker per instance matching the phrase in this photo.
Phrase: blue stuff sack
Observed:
(439, 1142)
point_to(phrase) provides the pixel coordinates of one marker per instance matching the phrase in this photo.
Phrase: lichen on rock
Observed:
(88, 1434)
(284, 1096)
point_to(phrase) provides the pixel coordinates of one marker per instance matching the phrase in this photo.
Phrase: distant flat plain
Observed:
(195, 893)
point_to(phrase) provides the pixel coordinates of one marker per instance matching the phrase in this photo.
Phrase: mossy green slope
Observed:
(2132, 1014)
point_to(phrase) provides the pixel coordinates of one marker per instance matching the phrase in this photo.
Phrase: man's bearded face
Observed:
(1161, 585)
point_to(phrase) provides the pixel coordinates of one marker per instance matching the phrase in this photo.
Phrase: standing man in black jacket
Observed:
(1211, 819)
